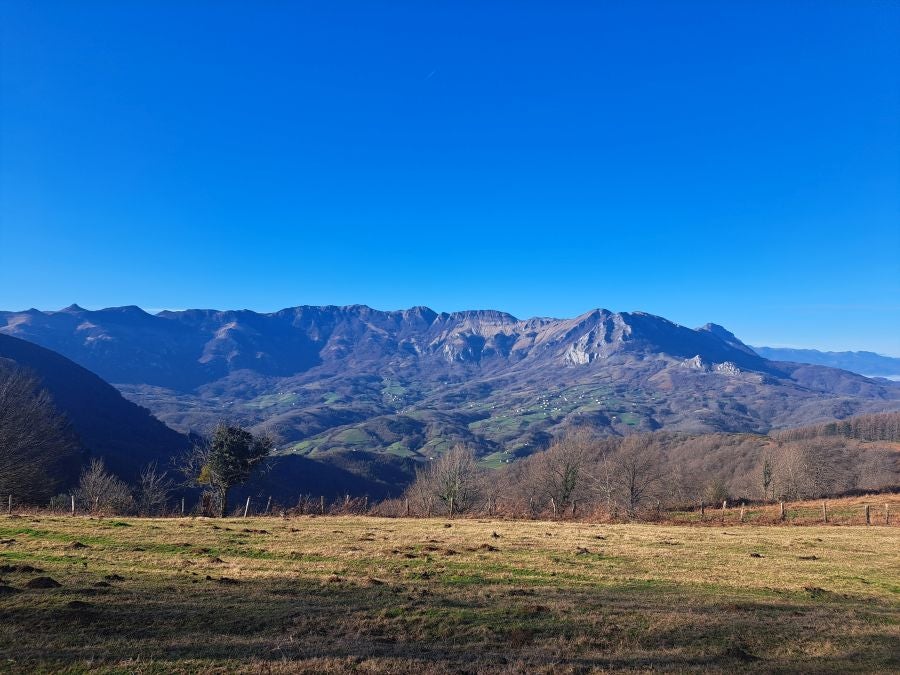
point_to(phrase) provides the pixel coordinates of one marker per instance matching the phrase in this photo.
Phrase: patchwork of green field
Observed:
(507, 419)
(365, 594)
(393, 392)
(283, 398)
(399, 450)
(404, 421)
(497, 459)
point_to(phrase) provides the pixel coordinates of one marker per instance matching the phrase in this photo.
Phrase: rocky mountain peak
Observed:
(190, 347)
(726, 336)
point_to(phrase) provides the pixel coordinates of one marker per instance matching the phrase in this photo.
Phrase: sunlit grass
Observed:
(337, 593)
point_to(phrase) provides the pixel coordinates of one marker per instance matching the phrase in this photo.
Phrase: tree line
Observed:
(640, 475)
(582, 471)
(876, 427)
(208, 472)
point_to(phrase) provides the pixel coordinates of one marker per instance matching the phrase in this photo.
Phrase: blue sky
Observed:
(735, 162)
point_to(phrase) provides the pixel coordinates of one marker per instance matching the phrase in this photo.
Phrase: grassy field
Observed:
(883, 509)
(365, 594)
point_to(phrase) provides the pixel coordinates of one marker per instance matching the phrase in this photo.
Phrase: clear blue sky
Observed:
(736, 162)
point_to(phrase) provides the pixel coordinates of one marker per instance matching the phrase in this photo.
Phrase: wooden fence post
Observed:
(73, 504)
(407, 507)
(182, 507)
(366, 504)
(246, 507)
(824, 512)
(887, 514)
(781, 510)
(9, 506)
(742, 514)
(574, 506)
(702, 509)
(868, 521)
(322, 505)
(268, 505)
(724, 507)
(553, 504)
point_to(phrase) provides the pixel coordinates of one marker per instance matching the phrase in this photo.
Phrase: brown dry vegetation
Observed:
(428, 595)
(884, 509)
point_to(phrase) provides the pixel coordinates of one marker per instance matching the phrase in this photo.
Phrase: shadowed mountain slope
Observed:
(107, 425)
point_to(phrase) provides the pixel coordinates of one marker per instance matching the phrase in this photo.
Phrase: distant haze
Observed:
(864, 363)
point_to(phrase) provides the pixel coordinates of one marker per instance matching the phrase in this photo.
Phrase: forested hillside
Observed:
(638, 474)
(879, 427)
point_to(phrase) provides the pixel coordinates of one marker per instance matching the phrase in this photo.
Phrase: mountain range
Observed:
(412, 382)
(869, 364)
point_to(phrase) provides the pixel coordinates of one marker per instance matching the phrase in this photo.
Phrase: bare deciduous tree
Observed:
(453, 480)
(560, 473)
(34, 437)
(99, 490)
(715, 491)
(874, 469)
(154, 489)
(636, 472)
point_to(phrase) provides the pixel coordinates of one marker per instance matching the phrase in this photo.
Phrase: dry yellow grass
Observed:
(884, 509)
(333, 594)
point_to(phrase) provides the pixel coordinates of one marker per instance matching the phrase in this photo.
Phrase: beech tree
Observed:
(453, 478)
(636, 471)
(559, 474)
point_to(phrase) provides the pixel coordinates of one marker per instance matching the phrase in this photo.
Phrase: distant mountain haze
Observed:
(869, 364)
(412, 382)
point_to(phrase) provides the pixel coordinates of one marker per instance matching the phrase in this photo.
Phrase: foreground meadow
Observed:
(365, 594)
